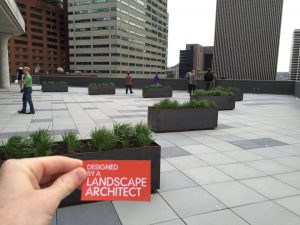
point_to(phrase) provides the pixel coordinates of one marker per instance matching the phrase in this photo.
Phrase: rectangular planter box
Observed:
(222, 102)
(163, 92)
(152, 153)
(238, 96)
(172, 120)
(55, 87)
(103, 90)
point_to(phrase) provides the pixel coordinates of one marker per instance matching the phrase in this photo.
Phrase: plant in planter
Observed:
(157, 91)
(42, 143)
(238, 95)
(224, 99)
(70, 140)
(171, 116)
(102, 89)
(124, 142)
(50, 86)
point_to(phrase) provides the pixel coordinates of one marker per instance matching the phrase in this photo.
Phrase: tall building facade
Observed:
(294, 72)
(110, 38)
(247, 35)
(195, 57)
(44, 45)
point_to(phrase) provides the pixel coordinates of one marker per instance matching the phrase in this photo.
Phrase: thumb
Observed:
(66, 184)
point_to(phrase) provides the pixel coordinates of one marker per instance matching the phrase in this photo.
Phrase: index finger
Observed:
(48, 166)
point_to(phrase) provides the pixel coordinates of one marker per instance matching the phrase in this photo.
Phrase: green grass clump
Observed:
(143, 135)
(199, 104)
(154, 86)
(167, 104)
(17, 147)
(103, 139)
(229, 89)
(174, 104)
(70, 140)
(213, 92)
(124, 134)
(42, 143)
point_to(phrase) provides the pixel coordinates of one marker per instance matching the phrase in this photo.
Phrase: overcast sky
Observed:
(193, 22)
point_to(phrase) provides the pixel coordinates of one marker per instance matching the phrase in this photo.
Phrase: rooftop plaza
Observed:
(247, 171)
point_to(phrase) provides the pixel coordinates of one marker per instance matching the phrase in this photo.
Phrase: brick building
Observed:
(44, 46)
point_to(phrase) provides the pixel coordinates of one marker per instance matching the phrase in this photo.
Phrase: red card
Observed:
(121, 180)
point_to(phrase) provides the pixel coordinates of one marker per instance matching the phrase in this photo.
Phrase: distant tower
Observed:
(295, 57)
(247, 38)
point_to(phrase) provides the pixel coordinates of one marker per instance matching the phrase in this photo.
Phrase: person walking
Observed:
(128, 83)
(27, 91)
(156, 79)
(187, 77)
(208, 78)
(192, 82)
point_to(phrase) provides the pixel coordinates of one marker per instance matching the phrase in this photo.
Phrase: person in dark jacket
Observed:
(156, 79)
(20, 75)
(208, 78)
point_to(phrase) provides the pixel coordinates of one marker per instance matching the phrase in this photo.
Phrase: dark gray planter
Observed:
(172, 120)
(102, 90)
(152, 153)
(239, 96)
(55, 87)
(222, 102)
(163, 92)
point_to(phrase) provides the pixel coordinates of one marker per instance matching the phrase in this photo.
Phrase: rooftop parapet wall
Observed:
(263, 87)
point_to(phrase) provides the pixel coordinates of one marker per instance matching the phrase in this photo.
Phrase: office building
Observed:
(294, 72)
(247, 37)
(195, 57)
(44, 45)
(110, 38)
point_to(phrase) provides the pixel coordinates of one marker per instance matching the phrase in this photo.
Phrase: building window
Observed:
(100, 46)
(21, 42)
(36, 9)
(101, 54)
(101, 63)
(36, 16)
(37, 30)
(37, 44)
(36, 37)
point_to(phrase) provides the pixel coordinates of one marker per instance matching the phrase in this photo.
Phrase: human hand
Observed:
(31, 189)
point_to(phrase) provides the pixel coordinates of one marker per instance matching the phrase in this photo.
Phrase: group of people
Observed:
(209, 78)
(25, 81)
